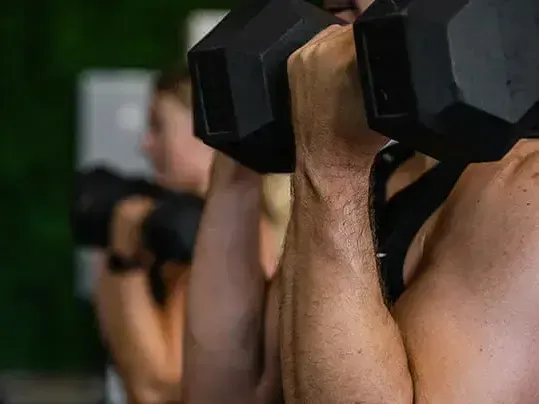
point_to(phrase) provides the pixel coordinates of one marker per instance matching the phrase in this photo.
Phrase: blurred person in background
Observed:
(142, 324)
(144, 329)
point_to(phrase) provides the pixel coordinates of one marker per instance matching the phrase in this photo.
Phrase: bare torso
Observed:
(469, 314)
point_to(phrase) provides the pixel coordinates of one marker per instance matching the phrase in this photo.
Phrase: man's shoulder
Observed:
(490, 222)
(520, 164)
(499, 198)
(513, 178)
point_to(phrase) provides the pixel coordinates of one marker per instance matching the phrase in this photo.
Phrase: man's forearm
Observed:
(344, 345)
(226, 295)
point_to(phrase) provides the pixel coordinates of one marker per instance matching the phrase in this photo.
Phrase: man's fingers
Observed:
(334, 47)
(335, 41)
(134, 209)
(324, 34)
(342, 41)
(309, 45)
(338, 50)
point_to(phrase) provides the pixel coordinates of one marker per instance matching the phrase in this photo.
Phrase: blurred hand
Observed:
(327, 105)
(126, 225)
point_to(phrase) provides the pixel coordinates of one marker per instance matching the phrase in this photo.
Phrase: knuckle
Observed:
(307, 55)
(292, 60)
(336, 28)
(319, 49)
(325, 32)
(316, 47)
(292, 63)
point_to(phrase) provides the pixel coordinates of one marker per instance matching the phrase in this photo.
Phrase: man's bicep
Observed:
(469, 319)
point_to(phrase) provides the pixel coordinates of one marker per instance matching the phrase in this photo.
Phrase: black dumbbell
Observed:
(240, 86)
(169, 231)
(458, 80)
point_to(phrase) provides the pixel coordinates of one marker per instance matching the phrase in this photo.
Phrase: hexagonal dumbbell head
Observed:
(240, 86)
(455, 79)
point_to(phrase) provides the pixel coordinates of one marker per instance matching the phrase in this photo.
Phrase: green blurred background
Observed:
(44, 45)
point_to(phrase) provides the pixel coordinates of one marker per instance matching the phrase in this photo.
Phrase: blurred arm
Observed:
(227, 292)
(144, 342)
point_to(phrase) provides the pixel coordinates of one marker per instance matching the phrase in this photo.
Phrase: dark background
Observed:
(44, 45)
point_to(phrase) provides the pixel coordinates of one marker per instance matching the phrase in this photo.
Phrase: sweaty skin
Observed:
(466, 329)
